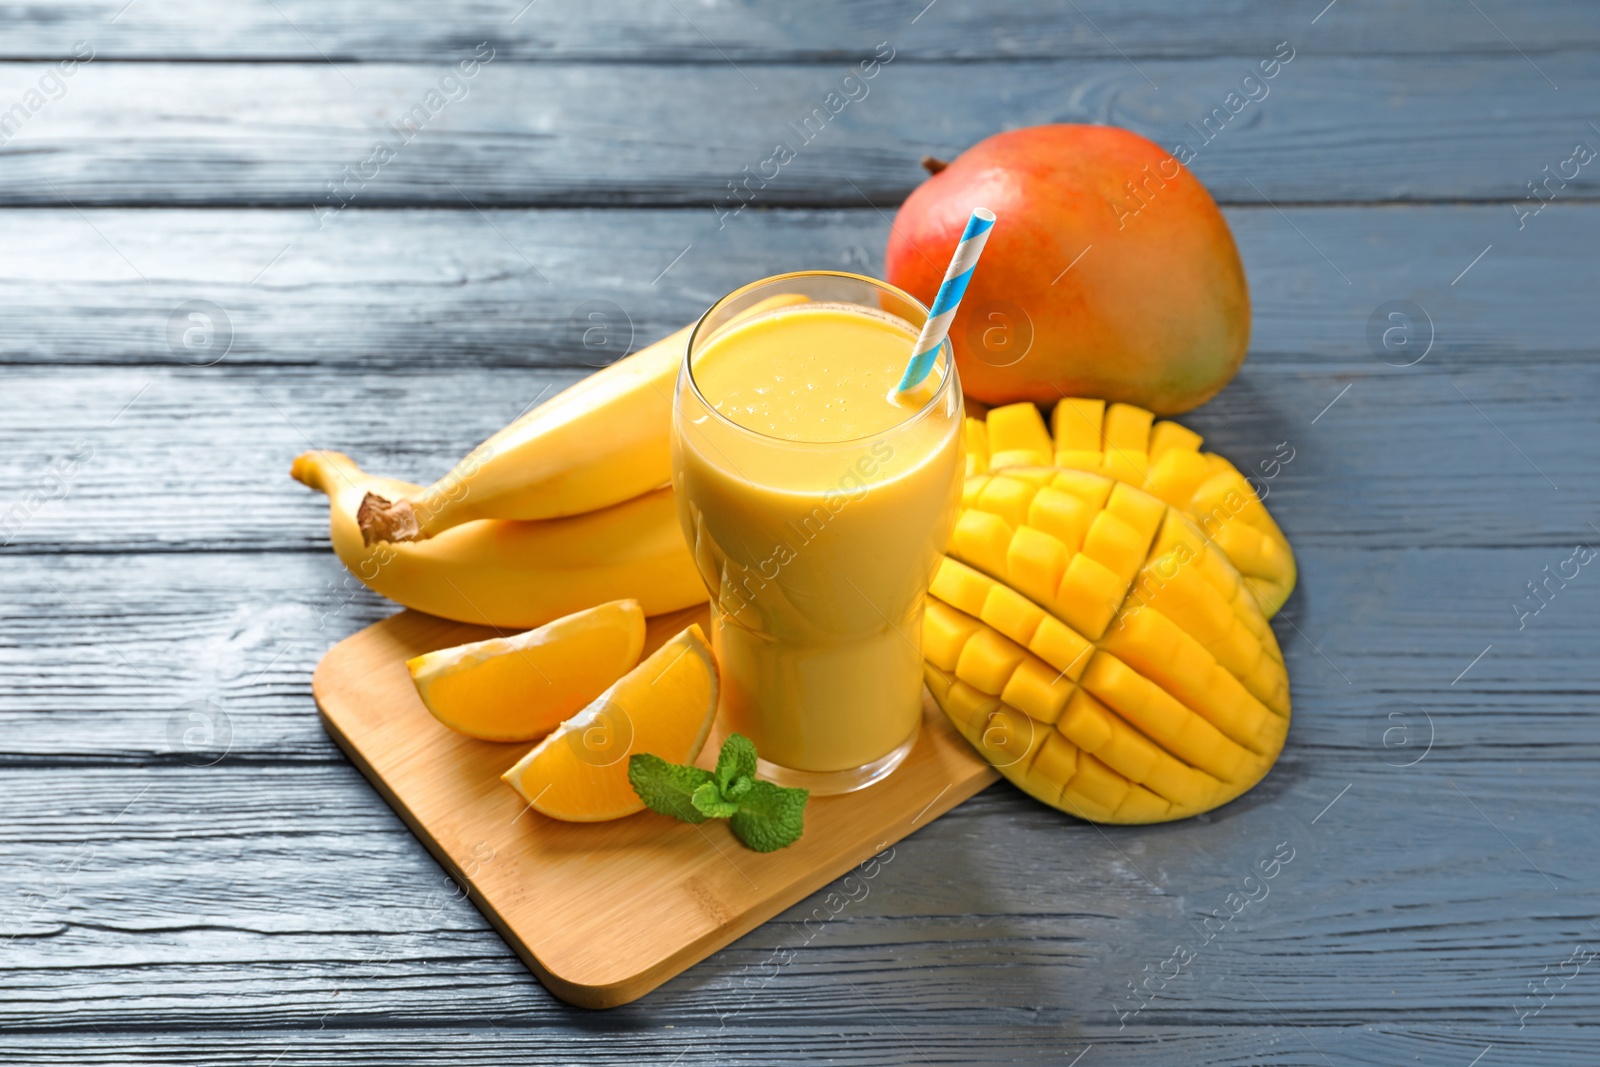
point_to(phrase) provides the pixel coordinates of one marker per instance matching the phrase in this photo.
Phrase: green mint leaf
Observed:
(708, 801)
(668, 788)
(762, 815)
(770, 817)
(736, 760)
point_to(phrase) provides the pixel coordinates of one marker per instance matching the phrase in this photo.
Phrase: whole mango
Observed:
(1111, 273)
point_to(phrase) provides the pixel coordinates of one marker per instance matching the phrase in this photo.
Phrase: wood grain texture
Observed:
(1406, 445)
(104, 656)
(302, 135)
(748, 31)
(440, 291)
(867, 1039)
(253, 815)
(267, 908)
(603, 912)
(432, 321)
(279, 903)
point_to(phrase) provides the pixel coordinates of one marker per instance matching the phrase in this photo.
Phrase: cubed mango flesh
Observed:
(1124, 443)
(1098, 647)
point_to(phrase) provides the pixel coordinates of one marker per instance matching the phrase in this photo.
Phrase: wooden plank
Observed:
(1325, 129)
(868, 1039)
(447, 290)
(419, 357)
(104, 657)
(325, 913)
(752, 32)
(1429, 468)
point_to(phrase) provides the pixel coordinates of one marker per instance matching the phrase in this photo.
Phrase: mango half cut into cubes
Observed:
(1164, 459)
(1096, 647)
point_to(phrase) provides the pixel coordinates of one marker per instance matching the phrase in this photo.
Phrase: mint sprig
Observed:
(766, 817)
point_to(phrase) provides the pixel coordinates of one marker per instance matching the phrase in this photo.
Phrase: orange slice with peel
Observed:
(664, 706)
(522, 687)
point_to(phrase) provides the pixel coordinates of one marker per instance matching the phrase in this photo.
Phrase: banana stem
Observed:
(381, 519)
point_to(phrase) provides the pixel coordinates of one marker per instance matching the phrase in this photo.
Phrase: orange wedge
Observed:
(663, 706)
(522, 687)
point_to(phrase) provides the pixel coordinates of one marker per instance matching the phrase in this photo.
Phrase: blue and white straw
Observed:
(951, 290)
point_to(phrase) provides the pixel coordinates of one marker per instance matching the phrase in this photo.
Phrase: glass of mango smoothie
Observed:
(817, 504)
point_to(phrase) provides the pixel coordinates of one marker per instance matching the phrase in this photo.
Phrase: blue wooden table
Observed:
(209, 267)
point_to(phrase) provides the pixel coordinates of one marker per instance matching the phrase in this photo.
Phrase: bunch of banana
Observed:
(567, 507)
(511, 574)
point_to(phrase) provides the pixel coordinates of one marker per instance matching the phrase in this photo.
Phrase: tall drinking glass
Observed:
(817, 504)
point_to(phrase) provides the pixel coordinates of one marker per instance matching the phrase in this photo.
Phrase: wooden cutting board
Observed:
(602, 912)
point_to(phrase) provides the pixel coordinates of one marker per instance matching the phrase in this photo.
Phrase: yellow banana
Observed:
(598, 443)
(510, 574)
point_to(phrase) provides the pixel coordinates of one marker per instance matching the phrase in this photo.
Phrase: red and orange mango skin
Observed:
(1110, 273)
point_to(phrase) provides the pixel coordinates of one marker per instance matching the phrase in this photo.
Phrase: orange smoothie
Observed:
(817, 505)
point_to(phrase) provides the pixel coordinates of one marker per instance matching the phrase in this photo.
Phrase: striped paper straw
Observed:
(951, 290)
